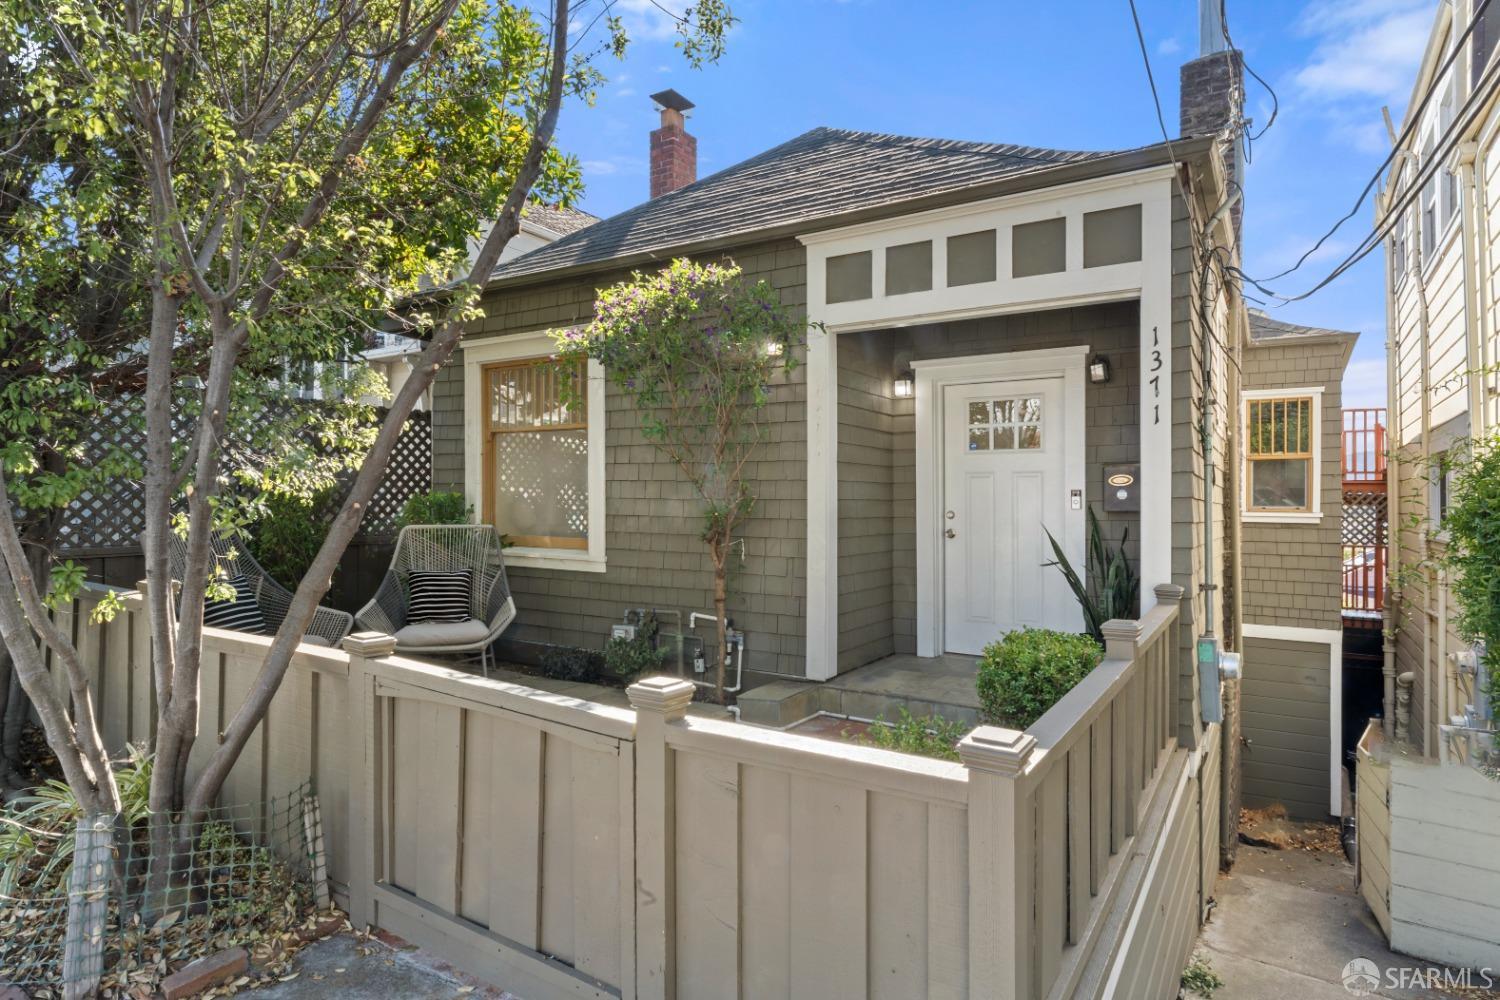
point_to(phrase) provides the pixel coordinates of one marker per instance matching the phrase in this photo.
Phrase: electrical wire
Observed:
(1395, 212)
(1413, 116)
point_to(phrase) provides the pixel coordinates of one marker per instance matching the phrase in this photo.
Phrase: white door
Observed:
(1003, 484)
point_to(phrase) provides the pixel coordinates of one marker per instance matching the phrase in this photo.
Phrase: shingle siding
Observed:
(653, 527)
(1292, 573)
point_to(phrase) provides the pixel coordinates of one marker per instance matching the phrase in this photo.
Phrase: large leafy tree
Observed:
(250, 183)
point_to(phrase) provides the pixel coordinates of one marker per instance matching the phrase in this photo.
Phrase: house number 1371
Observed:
(1156, 365)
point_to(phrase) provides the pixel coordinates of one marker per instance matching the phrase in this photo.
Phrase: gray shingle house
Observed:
(1005, 336)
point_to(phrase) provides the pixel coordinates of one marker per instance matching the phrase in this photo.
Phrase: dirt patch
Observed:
(1270, 827)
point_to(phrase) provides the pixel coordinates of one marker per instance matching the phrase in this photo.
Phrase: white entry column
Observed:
(1156, 391)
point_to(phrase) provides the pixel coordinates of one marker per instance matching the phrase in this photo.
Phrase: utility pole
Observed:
(1211, 27)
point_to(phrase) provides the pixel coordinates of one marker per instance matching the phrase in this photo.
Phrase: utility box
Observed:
(1122, 487)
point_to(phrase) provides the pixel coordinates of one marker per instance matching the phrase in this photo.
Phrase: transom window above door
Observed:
(1012, 424)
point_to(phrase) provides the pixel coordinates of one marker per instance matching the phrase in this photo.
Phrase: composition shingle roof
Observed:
(1264, 329)
(820, 174)
(562, 221)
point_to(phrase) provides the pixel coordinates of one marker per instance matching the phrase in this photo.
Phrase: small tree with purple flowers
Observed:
(696, 347)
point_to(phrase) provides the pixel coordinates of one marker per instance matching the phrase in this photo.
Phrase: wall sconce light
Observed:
(1099, 370)
(905, 385)
(774, 348)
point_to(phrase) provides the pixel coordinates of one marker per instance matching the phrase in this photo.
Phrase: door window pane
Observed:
(1010, 423)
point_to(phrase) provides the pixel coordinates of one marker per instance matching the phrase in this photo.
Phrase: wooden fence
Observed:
(563, 848)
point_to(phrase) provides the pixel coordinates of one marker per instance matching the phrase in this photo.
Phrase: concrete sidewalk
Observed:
(1286, 924)
(352, 967)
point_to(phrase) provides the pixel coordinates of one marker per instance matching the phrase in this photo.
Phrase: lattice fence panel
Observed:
(1366, 534)
(409, 473)
(112, 518)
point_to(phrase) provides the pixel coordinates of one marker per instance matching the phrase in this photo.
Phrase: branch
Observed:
(316, 581)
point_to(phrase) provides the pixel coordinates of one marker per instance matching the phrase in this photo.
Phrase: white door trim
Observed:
(933, 376)
(1334, 639)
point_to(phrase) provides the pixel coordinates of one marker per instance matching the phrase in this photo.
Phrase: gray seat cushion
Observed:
(428, 635)
(315, 640)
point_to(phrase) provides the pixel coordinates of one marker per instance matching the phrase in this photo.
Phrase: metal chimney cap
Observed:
(672, 99)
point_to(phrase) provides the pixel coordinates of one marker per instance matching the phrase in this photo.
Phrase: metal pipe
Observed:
(1209, 592)
(1390, 614)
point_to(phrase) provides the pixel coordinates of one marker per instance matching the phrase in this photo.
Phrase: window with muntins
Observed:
(536, 450)
(1279, 453)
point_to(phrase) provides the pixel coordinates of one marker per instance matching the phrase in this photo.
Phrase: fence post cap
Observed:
(1121, 630)
(997, 750)
(1169, 592)
(669, 696)
(370, 644)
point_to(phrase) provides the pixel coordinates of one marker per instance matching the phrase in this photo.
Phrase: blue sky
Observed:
(1065, 75)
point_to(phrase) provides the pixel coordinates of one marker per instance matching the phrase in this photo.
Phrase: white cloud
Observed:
(1364, 383)
(1168, 47)
(1363, 48)
(601, 167)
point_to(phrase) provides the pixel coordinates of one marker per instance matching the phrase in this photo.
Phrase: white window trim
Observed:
(1315, 480)
(933, 376)
(513, 348)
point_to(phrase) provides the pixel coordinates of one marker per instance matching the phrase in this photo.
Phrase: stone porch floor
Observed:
(938, 685)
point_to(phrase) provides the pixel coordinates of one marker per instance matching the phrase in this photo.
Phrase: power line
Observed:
(1395, 212)
(1413, 116)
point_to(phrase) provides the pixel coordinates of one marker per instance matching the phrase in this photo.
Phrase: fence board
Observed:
(765, 802)
(557, 848)
(1080, 825)
(708, 880)
(502, 826)
(947, 902)
(829, 903)
(898, 896)
(596, 864)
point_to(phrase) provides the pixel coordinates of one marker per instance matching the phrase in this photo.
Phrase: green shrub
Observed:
(569, 663)
(1473, 551)
(435, 507)
(1199, 977)
(627, 659)
(287, 537)
(1026, 672)
(930, 736)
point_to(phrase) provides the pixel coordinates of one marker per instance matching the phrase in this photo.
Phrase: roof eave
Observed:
(1066, 173)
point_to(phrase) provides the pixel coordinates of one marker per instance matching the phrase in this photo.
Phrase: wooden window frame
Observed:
(1313, 398)
(494, 434)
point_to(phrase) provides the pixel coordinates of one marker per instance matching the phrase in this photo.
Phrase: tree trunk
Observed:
(720, 550)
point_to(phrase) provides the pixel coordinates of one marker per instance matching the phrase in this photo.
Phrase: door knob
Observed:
(951, 533)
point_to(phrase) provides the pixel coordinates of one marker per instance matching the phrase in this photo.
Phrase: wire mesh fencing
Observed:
(112, 905)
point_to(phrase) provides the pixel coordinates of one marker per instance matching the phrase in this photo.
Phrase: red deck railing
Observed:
(1363, 457)
(1363, 446)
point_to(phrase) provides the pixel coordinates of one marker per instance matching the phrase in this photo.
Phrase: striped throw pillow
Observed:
(439, 595)
(241, 614)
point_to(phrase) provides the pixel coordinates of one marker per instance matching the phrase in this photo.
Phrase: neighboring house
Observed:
(1291, 502)
(392, 355)
(1430, 823)
(946, 412)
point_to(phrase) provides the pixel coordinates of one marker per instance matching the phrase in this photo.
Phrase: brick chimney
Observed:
(674, 153)
(1213, 93)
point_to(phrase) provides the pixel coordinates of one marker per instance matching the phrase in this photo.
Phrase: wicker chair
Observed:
(445, 547)
(328, 626)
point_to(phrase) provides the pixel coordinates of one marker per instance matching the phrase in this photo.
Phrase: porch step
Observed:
(780, 703)
(942, 686)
